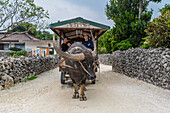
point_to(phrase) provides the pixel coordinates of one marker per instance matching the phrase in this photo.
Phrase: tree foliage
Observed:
(158, 30)
(128, 28)
(14, 49)
(25, 27)
(17, 12)
(21, 53)
(105, 42)
(165, 9)
(43, 35)
(124, 45)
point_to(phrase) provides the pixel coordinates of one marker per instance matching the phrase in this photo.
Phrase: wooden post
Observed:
(97, 46)
(60, 39)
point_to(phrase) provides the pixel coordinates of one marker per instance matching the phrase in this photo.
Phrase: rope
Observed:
(85, 69)
(99, 72)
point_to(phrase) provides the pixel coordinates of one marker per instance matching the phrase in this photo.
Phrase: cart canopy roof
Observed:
(75, 28)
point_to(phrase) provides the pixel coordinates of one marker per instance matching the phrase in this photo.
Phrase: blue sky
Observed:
(89, 9)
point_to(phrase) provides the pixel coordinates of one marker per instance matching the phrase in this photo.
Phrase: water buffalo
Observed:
(80, 65)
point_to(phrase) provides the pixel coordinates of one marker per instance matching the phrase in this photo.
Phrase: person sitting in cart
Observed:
(64, 46)
(69, 44)
(87, 42)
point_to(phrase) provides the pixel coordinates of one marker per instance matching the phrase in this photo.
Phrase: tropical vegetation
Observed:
(130, 30)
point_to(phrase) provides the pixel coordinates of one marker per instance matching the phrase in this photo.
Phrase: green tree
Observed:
(127, 27)
(165, 9)
(158, 30)
(17, 12)
(105, 41)
(43, 35)
(144, 3)
(28, 27)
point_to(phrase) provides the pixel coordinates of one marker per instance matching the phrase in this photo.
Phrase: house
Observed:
(23, 41)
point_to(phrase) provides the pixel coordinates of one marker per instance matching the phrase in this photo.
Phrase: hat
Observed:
(85, 35)
(69, 42)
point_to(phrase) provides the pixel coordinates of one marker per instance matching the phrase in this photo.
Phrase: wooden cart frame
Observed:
(74, 29)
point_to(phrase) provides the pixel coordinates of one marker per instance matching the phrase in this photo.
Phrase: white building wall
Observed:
(30, 45)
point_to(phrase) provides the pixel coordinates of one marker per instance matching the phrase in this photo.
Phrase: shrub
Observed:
(20, 53)
(102, 50)
(158, 31)
(105, 41)
(14, 49)
(32, 78)
(11, 53)
(29, 78)
(56, 55)
(145, 46)
(165, 9)
(124, 45)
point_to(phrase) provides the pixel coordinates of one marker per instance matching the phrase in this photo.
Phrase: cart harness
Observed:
(65, 65)
(85, 69)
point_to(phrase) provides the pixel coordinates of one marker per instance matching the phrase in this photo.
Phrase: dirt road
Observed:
(113, 93)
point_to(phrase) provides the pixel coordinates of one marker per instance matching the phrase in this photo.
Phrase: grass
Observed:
(30, 78)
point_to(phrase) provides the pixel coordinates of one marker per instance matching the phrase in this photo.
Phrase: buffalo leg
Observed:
(76, 94)
(82, 95)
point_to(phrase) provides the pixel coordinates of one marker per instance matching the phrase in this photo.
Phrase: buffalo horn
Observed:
(72, 57)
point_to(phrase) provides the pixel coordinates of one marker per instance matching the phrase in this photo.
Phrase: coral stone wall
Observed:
(149, 65)
(15, 70)
(3, 53)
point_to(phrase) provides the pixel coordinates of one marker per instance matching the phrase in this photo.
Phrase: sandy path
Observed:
(113, 93)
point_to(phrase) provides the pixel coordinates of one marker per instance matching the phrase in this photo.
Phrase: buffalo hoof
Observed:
(83, 98)
(75, 96)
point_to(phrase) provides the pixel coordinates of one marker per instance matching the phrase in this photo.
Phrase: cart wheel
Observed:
(62, 80)
(93, 82)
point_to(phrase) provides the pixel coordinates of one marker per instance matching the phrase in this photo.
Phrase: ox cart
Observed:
(74, 29)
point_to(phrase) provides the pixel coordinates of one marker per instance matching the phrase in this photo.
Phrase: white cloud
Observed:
(63, 10)
(156, 7)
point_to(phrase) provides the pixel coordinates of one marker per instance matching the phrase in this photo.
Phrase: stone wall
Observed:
(149, 65)
(4, 53)
(15, 70)
(106, 59)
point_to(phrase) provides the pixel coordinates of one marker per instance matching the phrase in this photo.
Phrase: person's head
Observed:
(68, 43)
(65, 40)
(86, 37)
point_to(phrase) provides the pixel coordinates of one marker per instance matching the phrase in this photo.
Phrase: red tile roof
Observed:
(17, 37)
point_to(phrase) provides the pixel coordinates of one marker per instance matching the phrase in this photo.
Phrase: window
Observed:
(1, 46)
(6, 46)
(21, 46)
(51, 51)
